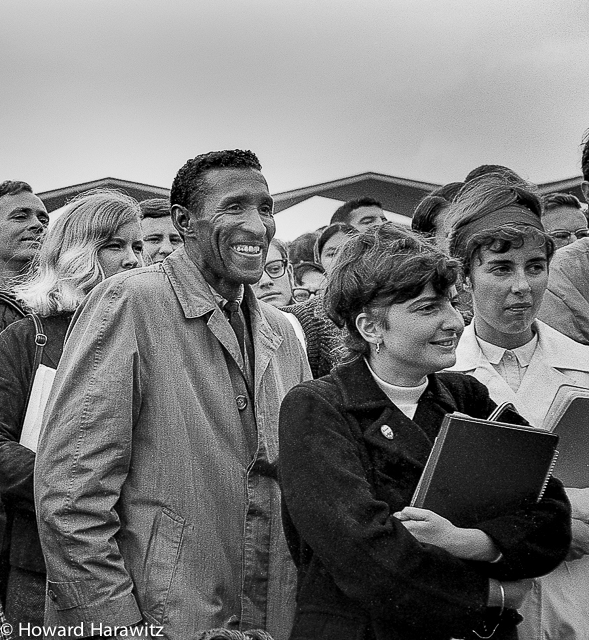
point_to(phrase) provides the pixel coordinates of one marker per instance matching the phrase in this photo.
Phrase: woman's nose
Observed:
(131, 259)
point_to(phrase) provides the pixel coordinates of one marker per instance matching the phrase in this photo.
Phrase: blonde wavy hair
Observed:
(67, 267)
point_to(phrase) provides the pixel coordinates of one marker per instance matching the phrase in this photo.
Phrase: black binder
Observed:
(480, 469)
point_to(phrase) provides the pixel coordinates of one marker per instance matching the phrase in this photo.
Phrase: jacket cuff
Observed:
(65, 606)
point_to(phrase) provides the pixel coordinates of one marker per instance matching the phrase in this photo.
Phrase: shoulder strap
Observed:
(40, 342)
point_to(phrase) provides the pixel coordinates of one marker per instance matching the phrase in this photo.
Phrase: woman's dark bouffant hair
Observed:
(483, 196)
(382, 266)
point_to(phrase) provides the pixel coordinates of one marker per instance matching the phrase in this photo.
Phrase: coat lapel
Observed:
(266, 341)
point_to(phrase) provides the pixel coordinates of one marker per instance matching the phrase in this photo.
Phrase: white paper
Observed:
(34, 417)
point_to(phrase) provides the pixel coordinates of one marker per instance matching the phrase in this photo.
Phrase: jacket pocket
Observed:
(161, 561)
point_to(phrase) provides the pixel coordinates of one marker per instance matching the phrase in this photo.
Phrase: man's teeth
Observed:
(247, 248)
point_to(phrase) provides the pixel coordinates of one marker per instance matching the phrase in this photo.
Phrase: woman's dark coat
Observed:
(17, 354)
(361, 574)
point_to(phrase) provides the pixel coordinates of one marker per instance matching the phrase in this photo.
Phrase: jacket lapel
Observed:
(266, 341)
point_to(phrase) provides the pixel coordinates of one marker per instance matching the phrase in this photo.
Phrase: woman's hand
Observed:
(430, 528)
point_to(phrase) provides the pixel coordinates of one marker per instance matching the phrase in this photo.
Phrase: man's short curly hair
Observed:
(12, 187)
(189, 186)
(383, 266)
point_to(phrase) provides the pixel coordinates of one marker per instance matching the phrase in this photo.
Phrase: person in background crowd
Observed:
(309, 280)
(275, 285)
(362, 213)
(353, 447)
(563, 219)
(430, 219)
(156, 480)
(323, 338)
(565, 306)
(96, 236)
(330, 241)
(23, 221)
(160, 237)
(301, 248)
(430, 213)
(497, 233)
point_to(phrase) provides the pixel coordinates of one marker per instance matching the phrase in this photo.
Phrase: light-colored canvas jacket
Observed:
(557, 361)
(156, 495)
(558, 605)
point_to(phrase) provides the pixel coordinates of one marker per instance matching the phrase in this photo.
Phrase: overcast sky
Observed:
(421, 89)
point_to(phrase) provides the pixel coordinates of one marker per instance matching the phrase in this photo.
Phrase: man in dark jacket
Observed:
(23, 220)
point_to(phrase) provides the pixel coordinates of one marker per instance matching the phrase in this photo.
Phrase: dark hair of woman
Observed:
(383, 266)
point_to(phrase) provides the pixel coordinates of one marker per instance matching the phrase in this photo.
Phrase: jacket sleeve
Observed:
(533, 541)
(16, 462)
(368, 553)
(83, 459)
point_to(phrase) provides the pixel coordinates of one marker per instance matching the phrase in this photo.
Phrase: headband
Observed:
(512, 216)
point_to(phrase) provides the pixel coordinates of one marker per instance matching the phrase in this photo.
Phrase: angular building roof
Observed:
(398, 195)
(56, 198)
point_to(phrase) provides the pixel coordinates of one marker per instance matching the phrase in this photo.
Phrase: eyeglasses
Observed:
(569, 236)
(300, 294)
(276, 268)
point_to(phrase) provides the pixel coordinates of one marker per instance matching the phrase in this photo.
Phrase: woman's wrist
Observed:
(474, 544)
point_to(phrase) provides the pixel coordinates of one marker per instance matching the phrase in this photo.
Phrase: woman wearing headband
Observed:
(497, 233)
(352, 448)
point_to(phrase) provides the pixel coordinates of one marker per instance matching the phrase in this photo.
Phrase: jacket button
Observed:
(241, 402)
(52, 595)
(387, 432)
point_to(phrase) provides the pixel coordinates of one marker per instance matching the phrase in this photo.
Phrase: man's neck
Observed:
(9, 275)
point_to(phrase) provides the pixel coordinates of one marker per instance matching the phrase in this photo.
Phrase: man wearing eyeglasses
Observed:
(563, 218)
(275, 285)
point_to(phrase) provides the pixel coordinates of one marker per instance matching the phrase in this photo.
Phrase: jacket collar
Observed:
(196, 300)
(557, 350)
(360, 392)
(191, 289)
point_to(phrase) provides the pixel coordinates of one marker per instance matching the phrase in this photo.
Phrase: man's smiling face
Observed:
(229, 236)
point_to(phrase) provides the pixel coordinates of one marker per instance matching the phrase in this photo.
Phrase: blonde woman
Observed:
(96, 237)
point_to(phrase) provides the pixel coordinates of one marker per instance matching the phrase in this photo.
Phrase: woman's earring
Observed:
(377, 348)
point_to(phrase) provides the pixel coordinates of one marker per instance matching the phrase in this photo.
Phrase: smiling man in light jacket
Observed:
(156, 481)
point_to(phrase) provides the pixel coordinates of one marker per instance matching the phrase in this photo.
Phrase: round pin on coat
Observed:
(387, 432)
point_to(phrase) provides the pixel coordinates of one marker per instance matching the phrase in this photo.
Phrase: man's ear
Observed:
(585, 190)
(368, 328)
(181, 220)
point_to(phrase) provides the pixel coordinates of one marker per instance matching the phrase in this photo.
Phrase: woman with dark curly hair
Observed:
(353, 447)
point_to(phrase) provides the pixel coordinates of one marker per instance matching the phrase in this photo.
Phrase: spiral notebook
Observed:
(481, 469)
